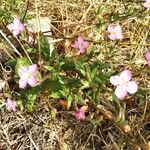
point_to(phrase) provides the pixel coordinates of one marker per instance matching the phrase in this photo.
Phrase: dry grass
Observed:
(70, 18)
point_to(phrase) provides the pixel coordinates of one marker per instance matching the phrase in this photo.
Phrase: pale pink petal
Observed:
(118, 29)
(11, 105)
(147, 4)
(147, 56)
(148, 63)
(82, 50)
(110, 29)
(10, 26)
(121, 92)
(22, 83)
(80, 40)
(125, 75)
(21, 27)
(22, 71)
(85, 44)
(114, 80)
(32, 81)
(112, 36)
(8, 104)
(16, 21)
(119, 36)
(33, 69)
(132, 87)
(16, 32)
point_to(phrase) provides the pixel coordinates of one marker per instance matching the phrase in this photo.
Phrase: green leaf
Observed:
(44, 45)
(31, 100)
(85, 84)
(21, 62)
(69, 101)
(49, 68)
(80, 67)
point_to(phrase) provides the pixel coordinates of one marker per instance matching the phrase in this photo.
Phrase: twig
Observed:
(27, 6)
(33, 142)
(4, 36)
(24, 50)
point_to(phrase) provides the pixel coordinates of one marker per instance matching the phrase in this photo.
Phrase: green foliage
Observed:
(28, 97)
(45, 48)
(66, 77)
(21, 62)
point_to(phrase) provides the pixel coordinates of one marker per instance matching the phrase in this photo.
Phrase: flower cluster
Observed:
(28, 75)
(124, 84)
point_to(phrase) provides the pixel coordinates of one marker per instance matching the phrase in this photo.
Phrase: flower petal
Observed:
(118, 29)
(11, 105)
(112, 36)
(114, 80)
(132, 87)
(121, 92)
(147, 4)
(15, 32)
(110, 29)
(85, 44)
(80, 40)
(33, 69)
(10, 26)
(119, 36)
(125, 75)
(82, 50)
(22, 71)
(32, 81)
(147, 56)
(22, 83)
(16, 21)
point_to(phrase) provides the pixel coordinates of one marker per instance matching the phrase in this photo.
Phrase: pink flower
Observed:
(80, 113)
(147, 4)
(16, 27)
(81, 45)
(115, 32)
(147, 56)
(28, 75)
(123, 84)
(11, 105)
